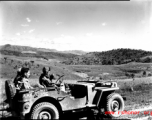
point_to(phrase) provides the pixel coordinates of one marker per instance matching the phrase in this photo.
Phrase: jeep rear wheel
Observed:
(45, 110)
(114, 106)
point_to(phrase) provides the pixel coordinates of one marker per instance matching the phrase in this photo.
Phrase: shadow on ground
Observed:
(85, 114)
(71, 116)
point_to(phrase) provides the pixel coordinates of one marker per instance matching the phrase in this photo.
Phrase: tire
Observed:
(10, 90)
(45, 110)
(114, 105)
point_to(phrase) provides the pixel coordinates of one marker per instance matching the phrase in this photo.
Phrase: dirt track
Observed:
(144, 114)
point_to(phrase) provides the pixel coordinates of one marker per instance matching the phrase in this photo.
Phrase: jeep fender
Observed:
(101, 94)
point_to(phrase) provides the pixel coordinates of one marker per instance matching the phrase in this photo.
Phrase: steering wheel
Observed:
(59, 79)
(57, 86)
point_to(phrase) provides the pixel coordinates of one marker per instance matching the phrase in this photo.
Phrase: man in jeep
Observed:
(21, 81)
(46, 77)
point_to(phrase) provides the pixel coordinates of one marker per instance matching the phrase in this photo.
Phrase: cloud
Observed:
(24, 25)
(30, 31)
(18, 34)
(64, 39)
(150, 25)
(104, 24)
(28, 19)
(59, 23)
(89, 34)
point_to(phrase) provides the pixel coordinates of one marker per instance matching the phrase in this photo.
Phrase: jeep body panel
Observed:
(84, 94)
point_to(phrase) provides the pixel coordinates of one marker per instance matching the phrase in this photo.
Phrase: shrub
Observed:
(149, 74)
(144, 73)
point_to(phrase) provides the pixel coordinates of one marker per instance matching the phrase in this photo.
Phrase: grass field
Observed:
(140, 96)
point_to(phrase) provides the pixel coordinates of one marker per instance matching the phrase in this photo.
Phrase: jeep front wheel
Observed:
(45, 110)
(114, 106)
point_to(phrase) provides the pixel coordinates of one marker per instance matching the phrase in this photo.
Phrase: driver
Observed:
(46, 77)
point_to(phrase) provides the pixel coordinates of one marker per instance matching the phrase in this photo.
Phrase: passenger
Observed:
(46, 77)
(23, 82)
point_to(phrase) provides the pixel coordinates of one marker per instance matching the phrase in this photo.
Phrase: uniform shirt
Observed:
(23, 83)
(46, 79)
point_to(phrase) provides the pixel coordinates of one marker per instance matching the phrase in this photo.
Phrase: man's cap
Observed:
(46, 69)
(24, 70)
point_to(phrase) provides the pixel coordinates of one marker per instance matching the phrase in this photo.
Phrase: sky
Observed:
(77, 25)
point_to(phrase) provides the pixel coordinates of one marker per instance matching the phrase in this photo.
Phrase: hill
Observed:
(77, 52)
(26, 51)
(112, 57)
(9, 47)
(77, 57)
(31, 49)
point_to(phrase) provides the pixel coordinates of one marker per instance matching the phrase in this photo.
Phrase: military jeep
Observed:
(53, 102)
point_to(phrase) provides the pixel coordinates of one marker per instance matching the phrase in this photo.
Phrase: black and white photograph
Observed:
(89, 60)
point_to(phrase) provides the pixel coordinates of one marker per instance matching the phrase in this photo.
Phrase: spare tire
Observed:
(10, 90)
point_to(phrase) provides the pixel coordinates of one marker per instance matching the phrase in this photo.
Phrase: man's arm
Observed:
(45, 80)
(52, 77)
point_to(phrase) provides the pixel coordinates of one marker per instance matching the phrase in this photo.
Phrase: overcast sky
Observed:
(77, 25)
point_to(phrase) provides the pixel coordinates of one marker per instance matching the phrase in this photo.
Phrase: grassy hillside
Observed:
(94, 64)
(10, 64)
(112, 57)
(76, 57)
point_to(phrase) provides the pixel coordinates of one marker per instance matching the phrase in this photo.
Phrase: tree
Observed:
(148, 60)
(144, 73)
(132, 75)
(12, 61)
(5, 58)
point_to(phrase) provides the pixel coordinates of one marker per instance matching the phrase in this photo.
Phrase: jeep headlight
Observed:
(26, 106)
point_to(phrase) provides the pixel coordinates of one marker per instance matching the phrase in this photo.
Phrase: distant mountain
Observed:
(24, 48)
(77, 52)
(25, 51)
(31, 49)
(112, 57)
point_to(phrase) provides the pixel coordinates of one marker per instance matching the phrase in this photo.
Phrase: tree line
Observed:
(112, 57)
